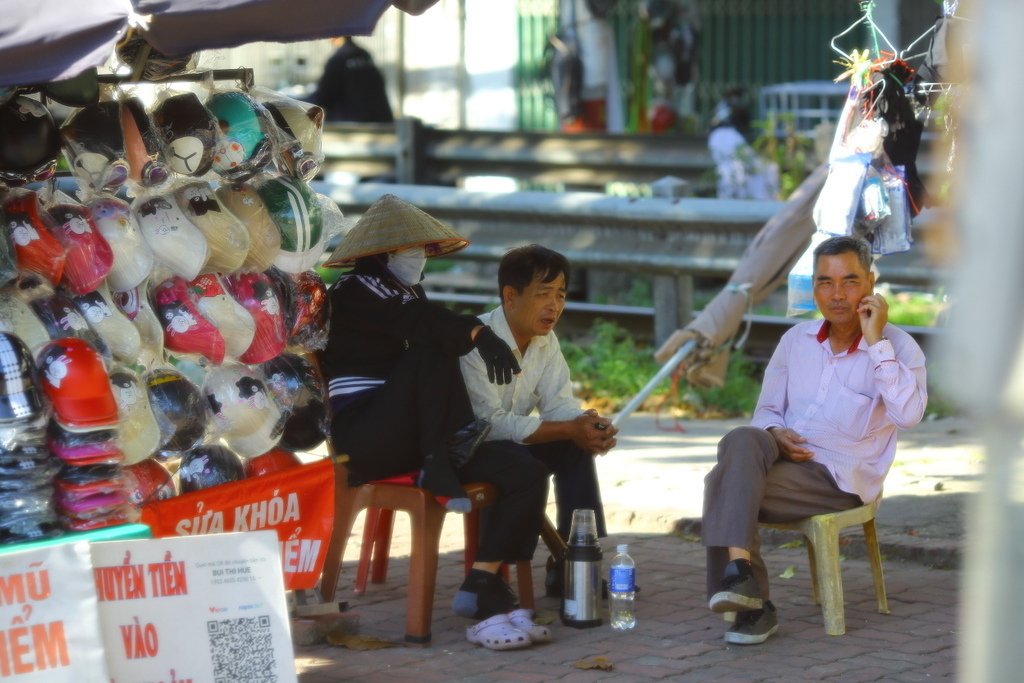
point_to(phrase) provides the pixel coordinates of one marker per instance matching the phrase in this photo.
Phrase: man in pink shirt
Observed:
(823, 435)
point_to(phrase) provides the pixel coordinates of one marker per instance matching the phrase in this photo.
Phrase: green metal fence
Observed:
(749, 43)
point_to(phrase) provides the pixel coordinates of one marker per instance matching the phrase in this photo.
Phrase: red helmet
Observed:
(185, 328)
(148, 480)
(257, 293)
(274, 460)
(34, 247)
(89, 257)
(73, 377)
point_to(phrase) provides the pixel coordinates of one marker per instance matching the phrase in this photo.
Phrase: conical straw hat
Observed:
(391, 224)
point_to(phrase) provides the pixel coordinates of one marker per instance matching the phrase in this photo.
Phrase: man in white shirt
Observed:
(532, 281)
(823, 435)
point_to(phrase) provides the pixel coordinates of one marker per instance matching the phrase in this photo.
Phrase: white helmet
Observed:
(138, 434)
(243, 410)
(175, 240)
(264, 238)
(133, 259)
(17, 317)
(226, 236)
(116, 331)
(231, 318)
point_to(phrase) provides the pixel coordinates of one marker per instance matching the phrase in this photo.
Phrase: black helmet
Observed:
(140, 133)
(94, 145)
(188, 132)
(207, 466)
(19, 396)
(299, 389)
(179, 410)
(29, 141)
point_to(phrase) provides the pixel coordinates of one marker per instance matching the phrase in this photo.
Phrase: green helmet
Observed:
(244, 147)
(296, 212)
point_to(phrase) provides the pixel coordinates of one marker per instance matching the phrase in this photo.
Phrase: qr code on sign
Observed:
(242, 650)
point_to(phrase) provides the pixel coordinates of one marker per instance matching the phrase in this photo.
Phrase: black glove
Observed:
(498, 357)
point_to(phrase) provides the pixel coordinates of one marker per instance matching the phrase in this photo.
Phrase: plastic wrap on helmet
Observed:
(29, 141)
(94, 146)
(274, 460)
(136, 307)
(207, 466)
(88, 257)
(117, 332)
(21, 527)
(257, 293)
(18, 460)
(231, 318)
(20, 399)
(309, 311)
(136, 52)
(245, 145)
(76, 491)
(299, 389)
(56, 434)
(179, 408)
(94, 506)
(247, 417)
(62, 319)
(8, 261)
(28, 227)
(141, 145)
(264, 238)
(188, 132)
(24, 437)
(18, 318)
(104, 453)
(175, 240)
(73, 377)
(148, 481)
(36, 476)
(227, 238)
(300, 150)
(186, 330)
(295, 210)
(133, 259)
(138, 434)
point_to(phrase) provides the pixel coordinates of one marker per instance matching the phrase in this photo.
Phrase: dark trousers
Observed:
(416, 411)
(752, 483)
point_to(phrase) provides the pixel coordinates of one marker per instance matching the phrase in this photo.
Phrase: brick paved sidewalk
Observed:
(676, 638)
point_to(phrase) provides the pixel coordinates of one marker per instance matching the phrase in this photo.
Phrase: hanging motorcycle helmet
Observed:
(245, 144)
(20, 399)
(148, 481)
(94, 146)
(133, 259)
(73, 377)
(62, 319)
(35, 248)
(139, 434)
(299, 389)
(179, 409)
(29, 141)
(264, 238)
(116, 331)
(148, 63)
(296, 213)
(88, 257)
(185, 328)
(8, 263)
(207, 466)
(274, 460)
(300, 150)
(136, 307)
(189, 133)
(246, 415)
(18, 318)
(175, 241)
(258, 295)
(141, 144)
(229, 317)
(306, 305)
(226, 237)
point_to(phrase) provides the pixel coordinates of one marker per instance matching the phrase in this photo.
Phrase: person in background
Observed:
(742, 173)
(351, 87)
(532, 282)
(823, 435)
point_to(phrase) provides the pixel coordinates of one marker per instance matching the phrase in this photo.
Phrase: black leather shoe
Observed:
(465, 442)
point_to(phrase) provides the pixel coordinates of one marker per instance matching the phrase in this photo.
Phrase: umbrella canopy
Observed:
(765, 264)
(50, 40)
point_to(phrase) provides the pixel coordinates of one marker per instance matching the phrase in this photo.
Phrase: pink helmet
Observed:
(185, 328)
(89, 257)
(257, 293)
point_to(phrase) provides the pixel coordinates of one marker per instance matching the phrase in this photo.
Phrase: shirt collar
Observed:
(499, 324)
(822, 336)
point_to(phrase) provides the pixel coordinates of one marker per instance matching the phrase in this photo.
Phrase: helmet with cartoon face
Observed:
(88, 256)
(210, 465)
(307, 307)
(299, 389)
(301, 150)
(139, 433)
(61, 318)
(258, 295)
(189, 133)
(35, 247)
(175, 240)
(186, 330)
(29, 141)
(74, 378)
(142, 144)
(227, 315)
(245, 413)
(133, 259)
(94, 146)
(245, 146)
(226, 237)
(147, 481)
(116, 331)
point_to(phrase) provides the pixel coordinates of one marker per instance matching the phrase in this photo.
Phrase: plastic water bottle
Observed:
(622, 590)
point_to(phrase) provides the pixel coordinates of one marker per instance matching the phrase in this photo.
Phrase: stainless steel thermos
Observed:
(581, 593)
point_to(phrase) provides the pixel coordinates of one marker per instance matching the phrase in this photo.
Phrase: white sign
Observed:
(49, 626)
(194, 609)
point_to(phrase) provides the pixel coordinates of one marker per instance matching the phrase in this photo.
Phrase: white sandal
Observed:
(522, 619)
(498, 633)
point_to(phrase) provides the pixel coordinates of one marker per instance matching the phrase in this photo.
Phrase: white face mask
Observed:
(407, 264)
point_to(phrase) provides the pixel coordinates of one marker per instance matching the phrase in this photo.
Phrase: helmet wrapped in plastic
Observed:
(117, 332)
(245, 144)
(29, 141)
(28, 227)
(133, 259)
(274, 460)
(74, 378)
(94, 146)
(300, 150)
(227, 238)
(189, 133)
(299, 389)
(258, 295)
(307, 307)
(210, 465)
(186, 330)
(139, 433)
(141, 144)
(295, 210)
(246, 415)
(230, 318)
(136, 307)
(148, 481)
(20, 399)
(179, 409)
(175, 240)
(264, 238)
(88, 257)
(62, 319)
(18, 318)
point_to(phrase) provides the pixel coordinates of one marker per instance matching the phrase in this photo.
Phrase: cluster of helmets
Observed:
(155, 331)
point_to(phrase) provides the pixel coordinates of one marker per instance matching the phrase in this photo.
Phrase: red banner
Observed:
(297, 503)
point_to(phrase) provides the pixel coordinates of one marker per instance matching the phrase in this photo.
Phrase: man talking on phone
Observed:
(822, 437)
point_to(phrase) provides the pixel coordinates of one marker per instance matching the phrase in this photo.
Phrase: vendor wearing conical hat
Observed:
(398, 400)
